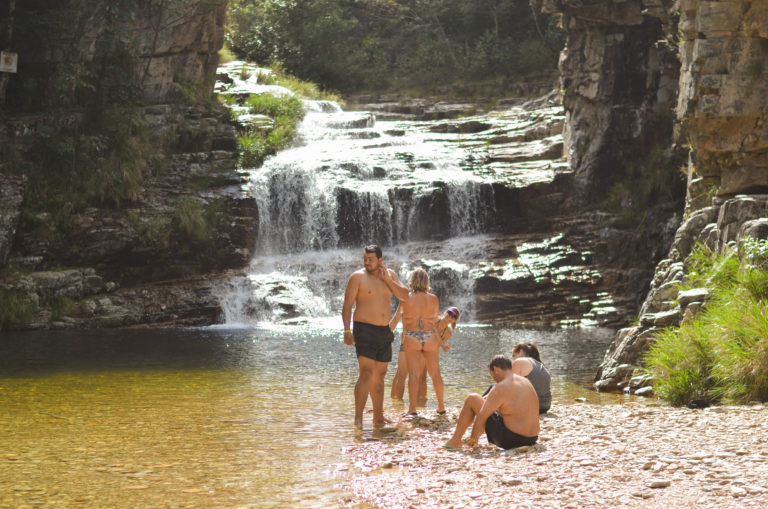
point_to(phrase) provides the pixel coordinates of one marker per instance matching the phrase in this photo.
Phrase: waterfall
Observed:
(301, 210)
(351, 180)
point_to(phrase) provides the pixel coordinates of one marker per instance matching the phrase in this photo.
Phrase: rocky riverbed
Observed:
(636, 454)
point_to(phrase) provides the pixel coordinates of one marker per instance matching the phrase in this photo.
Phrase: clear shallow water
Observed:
(215, 417)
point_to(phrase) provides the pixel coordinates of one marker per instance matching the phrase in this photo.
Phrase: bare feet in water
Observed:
(383, 422)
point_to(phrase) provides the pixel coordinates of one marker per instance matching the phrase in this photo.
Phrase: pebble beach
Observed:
(638, 454)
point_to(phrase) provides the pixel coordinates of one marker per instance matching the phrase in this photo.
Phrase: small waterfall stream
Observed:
(422, 189)
(350, 181)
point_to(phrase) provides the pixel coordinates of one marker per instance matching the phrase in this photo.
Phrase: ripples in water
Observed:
(214, 417)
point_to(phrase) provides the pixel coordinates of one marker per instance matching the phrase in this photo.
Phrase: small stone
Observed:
(512, 481)
(644, 391)
(738, 491)
(658, 483)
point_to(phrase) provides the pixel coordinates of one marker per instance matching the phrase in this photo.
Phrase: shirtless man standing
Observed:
(509, 415)
(369, 291)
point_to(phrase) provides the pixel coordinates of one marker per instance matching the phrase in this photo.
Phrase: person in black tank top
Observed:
(527, 362)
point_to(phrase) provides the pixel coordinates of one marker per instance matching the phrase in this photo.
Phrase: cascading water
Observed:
(351, 181)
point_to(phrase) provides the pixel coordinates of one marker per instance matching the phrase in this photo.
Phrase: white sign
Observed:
(8, 61)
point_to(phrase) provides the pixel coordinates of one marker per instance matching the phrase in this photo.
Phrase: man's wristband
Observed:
(347, 330)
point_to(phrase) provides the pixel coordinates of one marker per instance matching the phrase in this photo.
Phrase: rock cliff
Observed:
(158, 216)
(722, 117)
(619, 79)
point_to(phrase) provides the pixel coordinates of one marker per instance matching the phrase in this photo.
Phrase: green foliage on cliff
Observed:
(722, 354)
(650, 179)
(91, 149)
(186, 232)
(261, 141)
(16, 309)
(376, 44)
(72, 164)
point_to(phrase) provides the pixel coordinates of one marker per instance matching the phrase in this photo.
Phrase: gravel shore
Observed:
(637, 454)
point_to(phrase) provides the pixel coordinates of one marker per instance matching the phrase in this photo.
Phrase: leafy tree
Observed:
(365, 44)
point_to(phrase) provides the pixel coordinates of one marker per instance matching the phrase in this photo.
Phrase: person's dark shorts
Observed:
(498, 434)
(373, 341)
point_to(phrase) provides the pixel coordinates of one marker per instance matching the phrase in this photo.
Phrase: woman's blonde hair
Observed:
(419, 280)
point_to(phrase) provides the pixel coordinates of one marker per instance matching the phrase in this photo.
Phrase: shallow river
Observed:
(254, 417)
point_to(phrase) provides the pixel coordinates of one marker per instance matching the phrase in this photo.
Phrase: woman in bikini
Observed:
(446, 326)
(421, 341)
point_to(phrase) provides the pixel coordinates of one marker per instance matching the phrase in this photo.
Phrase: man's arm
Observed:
(350, 297)
(393, 282)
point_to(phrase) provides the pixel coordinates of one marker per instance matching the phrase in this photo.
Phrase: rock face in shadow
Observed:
(722, 114)
(153, 258)
(619, 78)
(169, 47)
(11, 198)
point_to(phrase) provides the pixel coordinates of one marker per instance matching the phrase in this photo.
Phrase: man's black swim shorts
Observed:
(373, 341)
(498, 434)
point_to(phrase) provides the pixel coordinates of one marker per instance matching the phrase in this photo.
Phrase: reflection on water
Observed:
(214, 418)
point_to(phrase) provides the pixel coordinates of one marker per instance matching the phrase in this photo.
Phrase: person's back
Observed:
(420, 311)
(520, 405)
(539, 376)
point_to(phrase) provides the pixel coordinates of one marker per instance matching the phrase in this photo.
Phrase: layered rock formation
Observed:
(722, 113)
(619, 80)
(166, 47)
(153, 257)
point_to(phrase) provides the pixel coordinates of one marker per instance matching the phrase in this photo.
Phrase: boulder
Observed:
(694, 295)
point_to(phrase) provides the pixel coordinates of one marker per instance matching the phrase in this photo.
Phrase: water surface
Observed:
(253, 417)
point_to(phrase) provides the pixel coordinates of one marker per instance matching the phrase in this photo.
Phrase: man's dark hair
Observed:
(529, 349)
(374, 248)
(501, 361)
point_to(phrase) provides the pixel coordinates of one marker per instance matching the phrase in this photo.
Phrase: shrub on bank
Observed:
(16, 309)
(259, 142)
(722, 354)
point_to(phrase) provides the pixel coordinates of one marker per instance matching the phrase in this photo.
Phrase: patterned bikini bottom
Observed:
(420, 335)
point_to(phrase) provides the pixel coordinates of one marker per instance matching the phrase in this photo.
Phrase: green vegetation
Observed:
(15, 309)
(72, 165)
(264, 139)
(302, 88)
(195, 225)
(187, 232)
(722, 354)
(61, 307)
(396, 44)
(652, 179)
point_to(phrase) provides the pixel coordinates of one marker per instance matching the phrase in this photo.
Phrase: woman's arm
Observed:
(396, 317)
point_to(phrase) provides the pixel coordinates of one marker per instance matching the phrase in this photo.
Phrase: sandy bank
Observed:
(637, 454)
